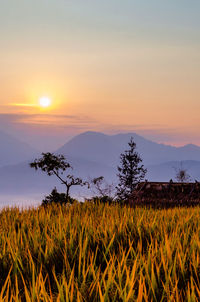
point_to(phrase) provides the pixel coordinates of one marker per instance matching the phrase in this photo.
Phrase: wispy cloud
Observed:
(23, 105)
(49, 120)
(62, 125)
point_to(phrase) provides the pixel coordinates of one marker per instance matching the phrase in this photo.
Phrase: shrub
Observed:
(56, 197)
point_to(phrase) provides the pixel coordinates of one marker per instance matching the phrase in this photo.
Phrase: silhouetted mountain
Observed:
(95, 154)
(13, 151)
(106, 149)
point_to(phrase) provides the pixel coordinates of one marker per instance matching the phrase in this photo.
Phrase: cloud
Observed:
(22, 105)
(48, 121)
(60, 127)
(45, 131)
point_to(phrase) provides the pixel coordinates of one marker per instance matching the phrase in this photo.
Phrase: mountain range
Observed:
(13, 151)
(91, 154)
(106, 149)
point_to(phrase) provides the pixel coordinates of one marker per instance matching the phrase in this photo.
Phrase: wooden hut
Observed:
(161, 193)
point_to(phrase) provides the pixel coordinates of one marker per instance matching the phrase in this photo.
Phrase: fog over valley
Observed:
(91, 154)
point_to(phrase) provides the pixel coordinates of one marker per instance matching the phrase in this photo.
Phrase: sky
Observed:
(110, 66)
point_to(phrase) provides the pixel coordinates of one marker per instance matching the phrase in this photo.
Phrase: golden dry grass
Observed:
(99, 252)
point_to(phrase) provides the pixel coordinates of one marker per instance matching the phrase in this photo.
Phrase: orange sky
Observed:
(113, 67)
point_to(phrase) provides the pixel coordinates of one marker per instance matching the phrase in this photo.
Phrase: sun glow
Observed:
(44, 101)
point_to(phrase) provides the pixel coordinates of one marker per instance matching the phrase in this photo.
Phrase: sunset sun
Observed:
(45, 102)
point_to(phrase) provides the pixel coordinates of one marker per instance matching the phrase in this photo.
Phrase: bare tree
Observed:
(102, 188)
(182, 174)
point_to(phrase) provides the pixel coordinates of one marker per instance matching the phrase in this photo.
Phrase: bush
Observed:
(58, 198)
(103, 199)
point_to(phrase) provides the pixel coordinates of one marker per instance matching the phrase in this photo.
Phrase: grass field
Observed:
(93, 252)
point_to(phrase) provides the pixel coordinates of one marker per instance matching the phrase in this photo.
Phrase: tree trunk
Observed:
(67, 193)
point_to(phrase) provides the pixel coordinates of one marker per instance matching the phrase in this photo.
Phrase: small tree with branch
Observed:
(182, 174)
(104, 191)
(53, 164)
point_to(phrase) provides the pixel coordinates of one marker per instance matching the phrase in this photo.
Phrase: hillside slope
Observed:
(13, 151)
(106, 149)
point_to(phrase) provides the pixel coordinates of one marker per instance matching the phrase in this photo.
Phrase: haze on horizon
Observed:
(111, 66)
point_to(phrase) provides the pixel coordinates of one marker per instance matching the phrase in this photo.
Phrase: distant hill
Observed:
(95, 154)
(22, 178)
(13, 151)
(166, 171)
(106, 149)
